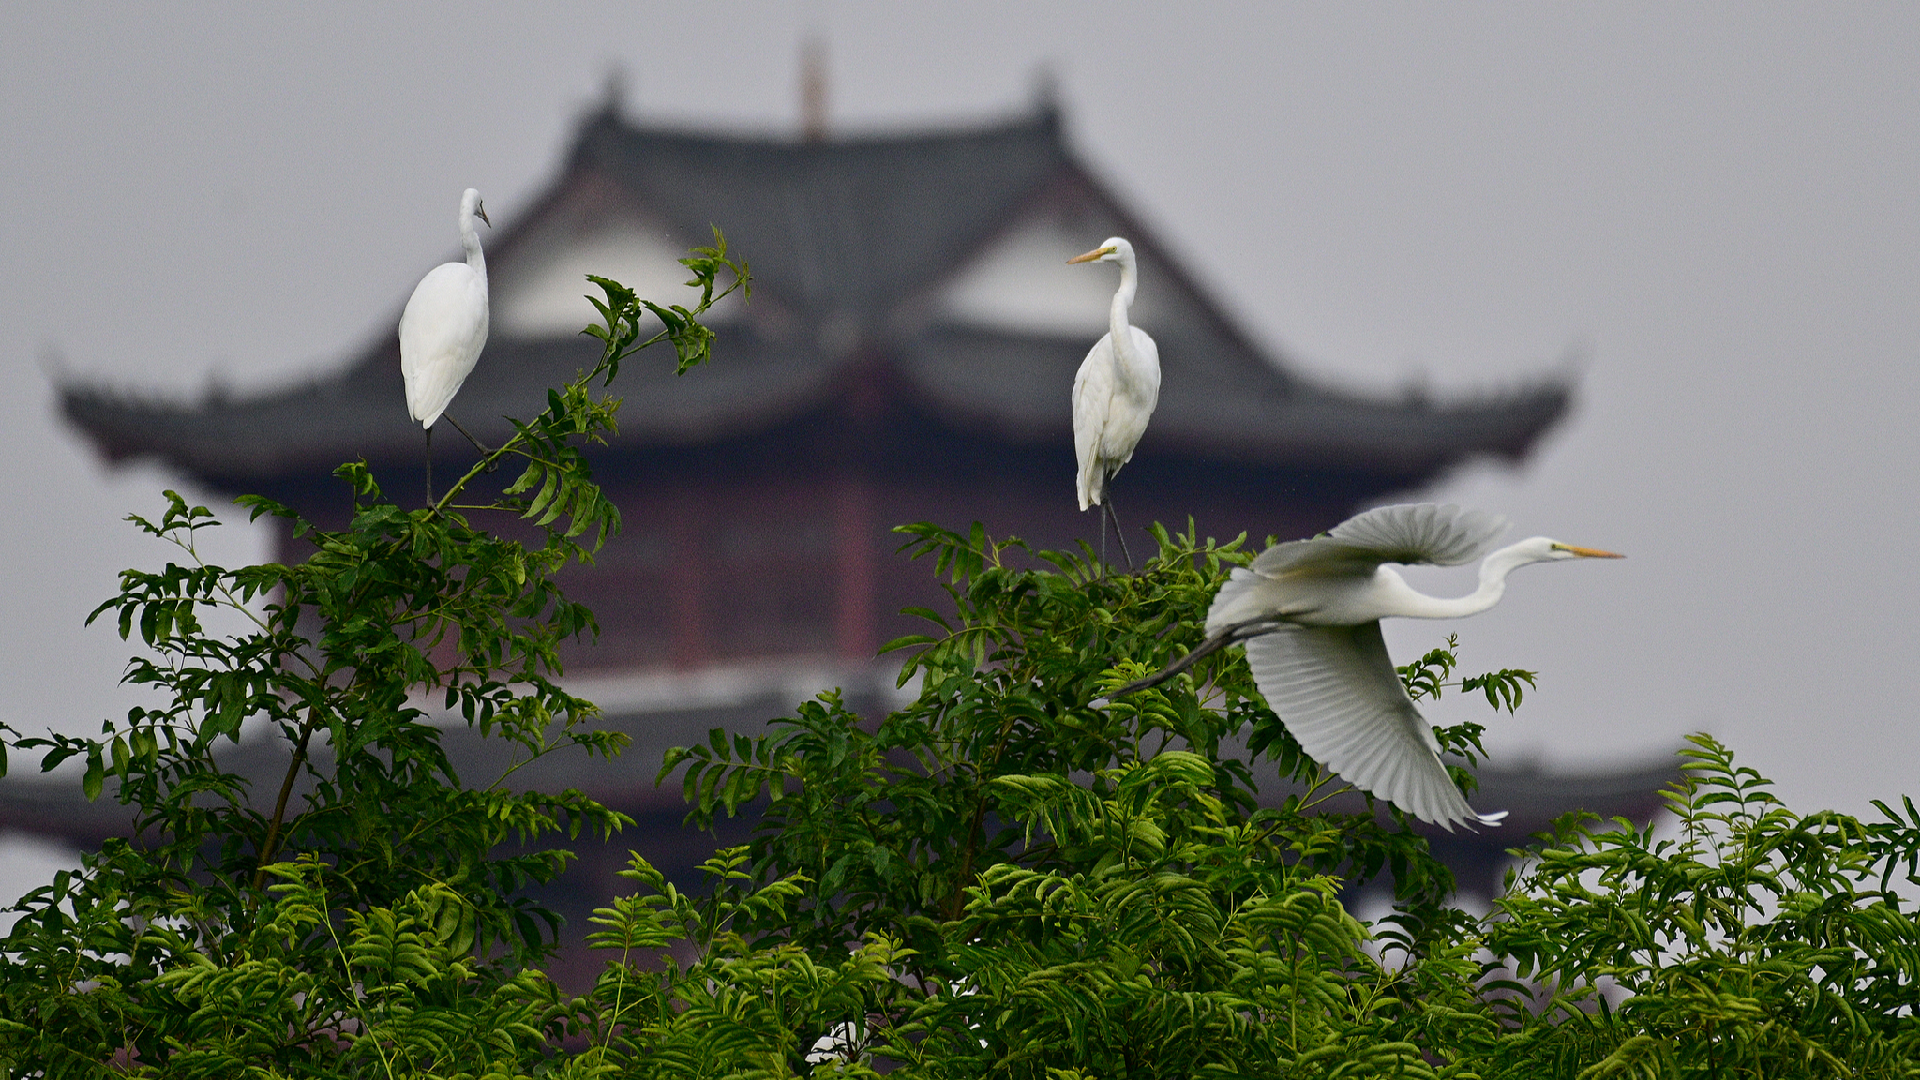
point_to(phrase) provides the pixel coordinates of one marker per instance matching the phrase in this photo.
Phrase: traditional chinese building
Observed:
(907, 355)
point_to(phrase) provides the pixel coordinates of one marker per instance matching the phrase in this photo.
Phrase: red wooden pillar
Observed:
(853, 623)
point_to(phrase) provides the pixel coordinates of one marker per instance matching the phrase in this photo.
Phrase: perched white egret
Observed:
(1114, 393)
(444, 326)
(1309, 612)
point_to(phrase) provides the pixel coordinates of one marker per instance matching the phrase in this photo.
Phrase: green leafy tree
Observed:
(1011, 876)
(364, 912)
(1756, 943)
(1069, 886)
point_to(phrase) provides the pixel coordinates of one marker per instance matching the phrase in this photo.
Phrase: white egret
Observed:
(1309, 613)
(1114, 393)
(444, 327)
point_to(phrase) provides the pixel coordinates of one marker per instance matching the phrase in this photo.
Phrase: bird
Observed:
(1309, 611)
(1113, 394)
(444, 327)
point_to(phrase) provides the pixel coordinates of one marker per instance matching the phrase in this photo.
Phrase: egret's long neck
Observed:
(1119, 330)
(470, 239)
(1493, 585)
(1122, 300)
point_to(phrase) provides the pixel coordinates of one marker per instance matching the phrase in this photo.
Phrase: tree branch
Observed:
(272, 843)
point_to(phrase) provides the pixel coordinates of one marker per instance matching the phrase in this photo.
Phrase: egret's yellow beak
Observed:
(481, 213)
(1589, 553)
(1092, 255)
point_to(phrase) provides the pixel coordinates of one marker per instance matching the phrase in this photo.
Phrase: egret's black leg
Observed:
(1239, 632)
(429, 466)
(1117, 531)
(476, 442)
(1211, 645)
(1103, 537)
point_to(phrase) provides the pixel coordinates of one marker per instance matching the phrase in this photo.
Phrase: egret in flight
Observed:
(1309, 613)
(444, 327)
(1114, 394)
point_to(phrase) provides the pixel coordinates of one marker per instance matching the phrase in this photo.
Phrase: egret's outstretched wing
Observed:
(1407, 533)
(1336, 690)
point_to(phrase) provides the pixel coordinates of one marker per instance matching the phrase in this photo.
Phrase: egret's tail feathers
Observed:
(1090, 487)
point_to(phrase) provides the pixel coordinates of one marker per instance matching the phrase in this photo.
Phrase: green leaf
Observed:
(95, 777)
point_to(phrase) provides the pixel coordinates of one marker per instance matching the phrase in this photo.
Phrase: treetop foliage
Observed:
(1010, 876)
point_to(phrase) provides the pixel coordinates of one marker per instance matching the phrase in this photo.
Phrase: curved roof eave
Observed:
(838, 244)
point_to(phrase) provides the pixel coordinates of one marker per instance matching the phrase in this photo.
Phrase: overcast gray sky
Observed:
(1715, 208)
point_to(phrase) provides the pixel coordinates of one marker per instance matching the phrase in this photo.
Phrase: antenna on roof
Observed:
(813, 88)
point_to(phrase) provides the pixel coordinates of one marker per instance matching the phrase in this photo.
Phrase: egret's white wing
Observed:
(442, 331)
(1336, 690)
(1140, 390)
(1247, 599)
(1408, 533)
(1134, 388)
(1092, 398)
(1423, 532)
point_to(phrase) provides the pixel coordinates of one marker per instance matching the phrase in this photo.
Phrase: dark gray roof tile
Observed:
(849, 240)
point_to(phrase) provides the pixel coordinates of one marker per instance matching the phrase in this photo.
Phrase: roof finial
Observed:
(813, 88)
(1046, 88)
(1046, 97)
(613, 91)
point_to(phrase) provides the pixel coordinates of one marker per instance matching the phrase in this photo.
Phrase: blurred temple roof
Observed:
(907, 354)
(934, 258)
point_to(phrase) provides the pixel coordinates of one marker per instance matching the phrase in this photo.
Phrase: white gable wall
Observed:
(1022, 282)
(542, 291)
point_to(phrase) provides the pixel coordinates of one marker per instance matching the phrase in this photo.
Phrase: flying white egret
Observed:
(444, 327)
(1114, 393)
(1309, 612)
